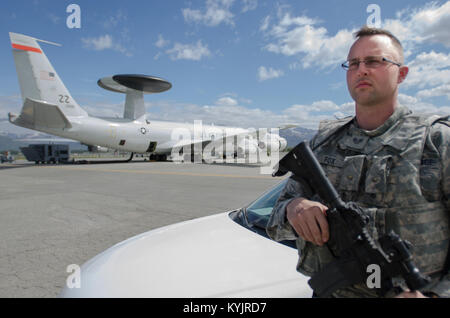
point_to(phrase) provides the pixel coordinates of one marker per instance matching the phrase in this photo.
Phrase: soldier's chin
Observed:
(364, 99)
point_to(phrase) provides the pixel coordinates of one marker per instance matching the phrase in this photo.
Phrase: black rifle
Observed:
(350, 241)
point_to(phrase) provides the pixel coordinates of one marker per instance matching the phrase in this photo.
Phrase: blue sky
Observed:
(249, 63)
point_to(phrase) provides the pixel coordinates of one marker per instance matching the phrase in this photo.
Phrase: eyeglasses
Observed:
(369, 62)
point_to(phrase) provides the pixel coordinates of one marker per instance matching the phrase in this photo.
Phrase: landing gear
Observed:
(158, 157)
(131, 157)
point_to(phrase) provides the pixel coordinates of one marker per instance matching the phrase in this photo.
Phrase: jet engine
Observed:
(247, 146)
(273, 142)
(92, 148)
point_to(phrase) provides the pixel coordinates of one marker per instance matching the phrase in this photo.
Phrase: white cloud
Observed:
(54, 18)
(303, 37)
(431, 60)
(219, 114)
(192, 15)
(265, 74)
(407, 100)
(157, 56)
(419, 106)
(338, 85)
(249, 5)
(309, 116)
(189, 51)
(429, 24)
(324, 106)
(226, 101)
(428, 70)
(245, 100)
(316, 107)
(115, 24)
(300, 36)
(265, 24)
(101, 43)
(215, 13)
(114, 20)
(443, 90)
(228, 111)
(104, 42)
(347, 109)
(161, 41)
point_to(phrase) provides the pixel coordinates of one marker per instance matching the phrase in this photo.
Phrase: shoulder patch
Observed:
(327, 128)
(331, 123)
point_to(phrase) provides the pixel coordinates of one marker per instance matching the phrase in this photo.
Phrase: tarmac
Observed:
(52, 216)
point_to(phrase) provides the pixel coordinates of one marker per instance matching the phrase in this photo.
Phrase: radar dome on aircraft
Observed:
(134, 86)
(121, 83)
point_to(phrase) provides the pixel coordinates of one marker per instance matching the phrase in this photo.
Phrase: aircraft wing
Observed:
(188, 142)
(37, 113)
(253, 133)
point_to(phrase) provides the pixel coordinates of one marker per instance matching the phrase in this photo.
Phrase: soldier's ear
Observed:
(403, 72)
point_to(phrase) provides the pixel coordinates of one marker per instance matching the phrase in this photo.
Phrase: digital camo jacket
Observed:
(400, 172)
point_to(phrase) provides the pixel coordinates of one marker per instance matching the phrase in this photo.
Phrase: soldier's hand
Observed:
(308, 218)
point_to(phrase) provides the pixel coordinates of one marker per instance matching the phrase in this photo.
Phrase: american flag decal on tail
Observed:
(48, 76)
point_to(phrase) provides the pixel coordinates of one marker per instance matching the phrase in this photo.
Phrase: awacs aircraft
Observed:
(49, 107)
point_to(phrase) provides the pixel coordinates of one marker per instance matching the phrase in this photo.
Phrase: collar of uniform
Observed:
(399, 112)
(357, 138)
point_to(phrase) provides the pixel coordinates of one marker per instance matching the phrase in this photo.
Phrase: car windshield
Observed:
(258, 212)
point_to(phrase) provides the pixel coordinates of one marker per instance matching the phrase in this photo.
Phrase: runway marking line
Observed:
(192, 174)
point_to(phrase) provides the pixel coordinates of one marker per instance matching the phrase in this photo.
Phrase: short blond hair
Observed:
(369, 31)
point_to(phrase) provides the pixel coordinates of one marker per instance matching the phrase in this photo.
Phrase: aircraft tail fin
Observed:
(40, 115)
(37, 77)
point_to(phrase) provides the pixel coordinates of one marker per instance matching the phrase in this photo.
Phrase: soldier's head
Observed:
(375, 67)
(369, 31)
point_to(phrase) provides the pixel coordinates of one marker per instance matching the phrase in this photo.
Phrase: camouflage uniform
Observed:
(400, 172)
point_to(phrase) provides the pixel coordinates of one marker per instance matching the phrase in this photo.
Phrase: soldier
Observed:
(394, 163)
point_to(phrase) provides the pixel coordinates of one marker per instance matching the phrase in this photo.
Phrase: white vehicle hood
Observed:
(207, 257)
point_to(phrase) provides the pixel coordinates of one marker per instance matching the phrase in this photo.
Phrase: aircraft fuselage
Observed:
(136, 136)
